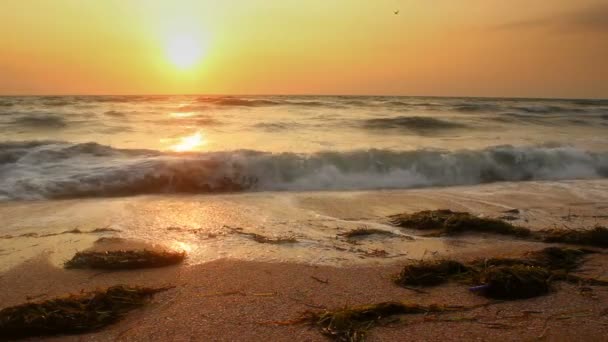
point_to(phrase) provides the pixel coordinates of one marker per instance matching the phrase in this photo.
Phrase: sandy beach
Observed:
(245, 289)
(263, 170)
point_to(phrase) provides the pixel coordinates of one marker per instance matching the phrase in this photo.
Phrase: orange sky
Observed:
(524, 48)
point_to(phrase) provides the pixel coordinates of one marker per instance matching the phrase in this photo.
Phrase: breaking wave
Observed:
(53, 169)
(415, 123)
(40, 121)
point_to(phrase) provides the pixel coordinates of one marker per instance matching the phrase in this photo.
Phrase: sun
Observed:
(184, 51)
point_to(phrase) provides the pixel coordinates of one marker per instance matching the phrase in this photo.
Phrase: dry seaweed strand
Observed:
(124, 259)
(514, 282)
(73, 314)
(448, 222)
(453, 222)
(261, 238)
(352, 324)
(503, 278)
(362, 232)
(554, 258)
(597, 236)
(430, 273)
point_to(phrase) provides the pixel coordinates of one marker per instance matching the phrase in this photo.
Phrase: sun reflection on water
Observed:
(181, 246)
(189, 143)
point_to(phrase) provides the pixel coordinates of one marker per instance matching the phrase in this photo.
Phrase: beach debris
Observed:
(73, 314)
(597, 236)
(450, 222)
(512, 211)
(352, 324)
(514, 282)
(503, 278)
(554, 258)
(125, 259)
(430, 273)
(261, 238)
(363, 232)
(326, 281)
(509, 218)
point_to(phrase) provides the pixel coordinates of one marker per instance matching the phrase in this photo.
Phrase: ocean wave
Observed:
(278, 126)
(249, 102)
(476, 107)
(414, 123)
(38, 170)
(546, 109)
(40, 121)
(115, 113)
(237, 102)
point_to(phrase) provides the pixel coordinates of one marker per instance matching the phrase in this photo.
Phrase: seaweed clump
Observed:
(261, 238)
(73, 314)
(430, 273)
(514, 282)
(454, 222)
(503, 278)
(121, 259)
(352, 324)
(597, 236)
(361, 232)
(553, 258)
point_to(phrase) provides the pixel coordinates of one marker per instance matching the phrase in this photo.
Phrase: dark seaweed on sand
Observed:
(514, 282)
(597, 236)
(121, 259)
(448, 222)
(503, 278)
(430, 273)
(553, 258)
(352, 324)
(261, 238)
(72, 314)
(453, 222)
(362, 232)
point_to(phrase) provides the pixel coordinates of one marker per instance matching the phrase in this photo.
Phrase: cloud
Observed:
(590, 19)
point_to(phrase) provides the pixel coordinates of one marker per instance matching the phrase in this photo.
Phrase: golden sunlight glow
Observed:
(181, 246)
(182, 114)
(184, 51)
(189, 143)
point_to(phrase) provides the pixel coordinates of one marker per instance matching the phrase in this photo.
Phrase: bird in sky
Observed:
(396, 12)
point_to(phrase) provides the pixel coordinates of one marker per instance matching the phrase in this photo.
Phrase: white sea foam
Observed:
(35, 170)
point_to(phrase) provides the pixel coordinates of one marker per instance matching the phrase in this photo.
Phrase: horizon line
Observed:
(316, 95)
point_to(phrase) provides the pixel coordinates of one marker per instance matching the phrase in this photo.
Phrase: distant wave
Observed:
(40, 121)
(57, 103)
(476, 107)
(248, 102)
(234, 101)
(544, 109)
(415, 123)
(277, 126)
(51, 169)
(115, 113)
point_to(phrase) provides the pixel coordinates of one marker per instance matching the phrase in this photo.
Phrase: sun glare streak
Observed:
(189, 143)
(182, 114)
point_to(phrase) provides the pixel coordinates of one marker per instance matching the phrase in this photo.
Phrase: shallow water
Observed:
(204, 225)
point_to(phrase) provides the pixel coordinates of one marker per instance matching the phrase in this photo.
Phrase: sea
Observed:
(57, 147)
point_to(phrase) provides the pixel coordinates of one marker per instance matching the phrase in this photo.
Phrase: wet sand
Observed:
(233, 288)
(229, 300)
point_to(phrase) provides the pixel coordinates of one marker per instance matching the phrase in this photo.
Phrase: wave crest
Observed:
(35, 170)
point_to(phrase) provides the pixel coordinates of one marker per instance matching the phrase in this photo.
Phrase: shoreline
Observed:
(234, 287)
